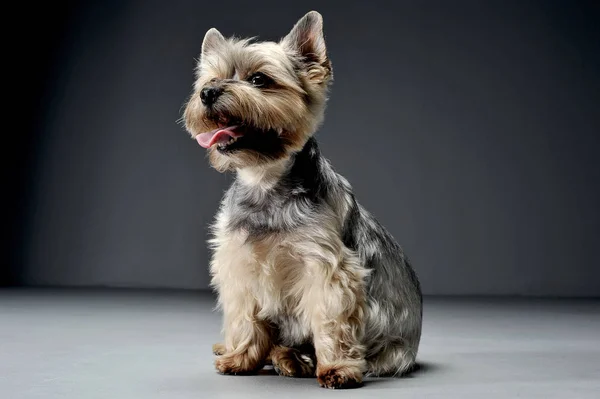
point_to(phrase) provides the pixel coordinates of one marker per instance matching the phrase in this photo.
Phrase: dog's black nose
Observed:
(209, 95)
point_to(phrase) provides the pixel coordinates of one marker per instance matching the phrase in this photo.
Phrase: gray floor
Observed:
(119, 344)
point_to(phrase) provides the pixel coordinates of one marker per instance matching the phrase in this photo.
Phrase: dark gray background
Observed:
(469, 128)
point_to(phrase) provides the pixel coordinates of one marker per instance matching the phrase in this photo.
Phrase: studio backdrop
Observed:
(470, 129)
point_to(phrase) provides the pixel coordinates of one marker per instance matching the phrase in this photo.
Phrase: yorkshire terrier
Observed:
(307, 279)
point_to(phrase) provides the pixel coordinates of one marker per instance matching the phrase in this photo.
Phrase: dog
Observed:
(307, 280)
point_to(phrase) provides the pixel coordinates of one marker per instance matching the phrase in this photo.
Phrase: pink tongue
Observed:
(207, 139)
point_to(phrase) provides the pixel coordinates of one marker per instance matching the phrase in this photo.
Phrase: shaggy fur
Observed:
(307, 279)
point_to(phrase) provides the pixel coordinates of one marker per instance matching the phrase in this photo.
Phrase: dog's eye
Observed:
(259, 79)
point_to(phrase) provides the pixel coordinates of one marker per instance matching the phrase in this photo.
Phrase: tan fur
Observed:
(218, 349)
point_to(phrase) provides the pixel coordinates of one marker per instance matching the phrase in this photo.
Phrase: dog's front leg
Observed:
(338, 324)
(247, 339)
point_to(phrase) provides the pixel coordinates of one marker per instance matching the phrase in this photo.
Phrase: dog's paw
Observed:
(290, 362)
(339, 377)
(238, 364)
(218, 349)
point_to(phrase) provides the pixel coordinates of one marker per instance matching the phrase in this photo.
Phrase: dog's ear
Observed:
(212, 40)
(306, 40)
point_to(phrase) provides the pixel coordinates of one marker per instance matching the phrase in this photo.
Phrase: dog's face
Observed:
(254, 103)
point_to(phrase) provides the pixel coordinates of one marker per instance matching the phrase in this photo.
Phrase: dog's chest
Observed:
(281, 275)
(282, 286)
(263, 239)
(271, 266)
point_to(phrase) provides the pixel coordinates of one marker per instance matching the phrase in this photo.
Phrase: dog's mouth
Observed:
(233, 136)
(222, 136)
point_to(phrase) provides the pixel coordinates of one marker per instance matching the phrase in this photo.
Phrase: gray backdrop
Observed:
(469, 128)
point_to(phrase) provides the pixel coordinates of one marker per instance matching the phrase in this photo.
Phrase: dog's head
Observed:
(257, 102)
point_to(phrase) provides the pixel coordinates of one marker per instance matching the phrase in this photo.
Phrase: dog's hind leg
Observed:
(291, 362)
(394, 360)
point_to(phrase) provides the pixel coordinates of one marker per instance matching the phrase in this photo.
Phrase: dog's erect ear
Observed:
(212, 40)
(306, 39)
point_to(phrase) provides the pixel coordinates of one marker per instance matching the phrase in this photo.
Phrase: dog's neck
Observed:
(280, 195)
(268, 175)
(264, 176)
